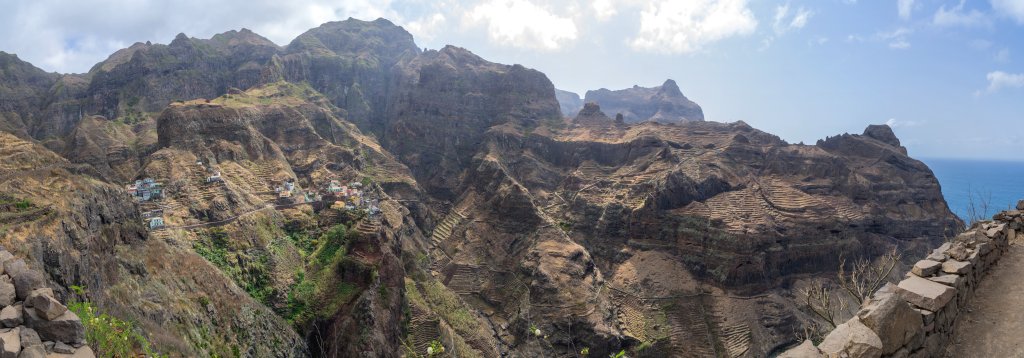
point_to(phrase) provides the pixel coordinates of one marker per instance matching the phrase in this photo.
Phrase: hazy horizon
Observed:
(944, 74)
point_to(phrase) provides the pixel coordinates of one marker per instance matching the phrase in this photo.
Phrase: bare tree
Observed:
(866, 277)
(860, 281)
(822, 302)
(978, 205)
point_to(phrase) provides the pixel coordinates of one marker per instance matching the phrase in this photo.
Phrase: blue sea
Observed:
(1000, 183)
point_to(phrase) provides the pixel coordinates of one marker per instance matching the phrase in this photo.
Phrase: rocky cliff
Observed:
(664, 104)
(503, 227)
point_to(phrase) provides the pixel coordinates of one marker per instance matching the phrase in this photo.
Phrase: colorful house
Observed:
(214, 178)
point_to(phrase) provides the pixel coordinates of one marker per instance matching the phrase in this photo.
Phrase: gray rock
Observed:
(59, 347)
(8, 293)
(804, 350)
(47, 307)
(958, 251)
(1020, 205)
(36, 351)
(67, 328)
(10, 316)
(852, 339)
(925, 268)
(924, 293)
(25, 280)
(10, 343)
(46, 291)
(957, 267)
(949, 280)
(892, 319)
(49, 346)
(29, 338)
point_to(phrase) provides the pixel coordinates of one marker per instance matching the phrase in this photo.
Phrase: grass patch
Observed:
(250, 269)
(107, 335)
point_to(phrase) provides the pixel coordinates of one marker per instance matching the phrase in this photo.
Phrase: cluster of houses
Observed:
(351, 197)
(345, 196)
(145, 189)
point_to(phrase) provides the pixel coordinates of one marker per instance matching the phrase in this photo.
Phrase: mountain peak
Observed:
(670, 88)
(882, 133)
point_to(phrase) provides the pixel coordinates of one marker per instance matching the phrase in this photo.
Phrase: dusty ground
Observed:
(992, 324)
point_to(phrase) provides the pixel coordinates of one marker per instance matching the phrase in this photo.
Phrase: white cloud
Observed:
(604, 9)
(998, 80)
(521, 23)
(904, 8)
(1012, 8)
(72, 36)
(426, 28)
(783, 23)
(957, 16)
(897, 39)
(671, 26)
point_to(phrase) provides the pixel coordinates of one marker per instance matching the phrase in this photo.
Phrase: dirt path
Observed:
(993, 322)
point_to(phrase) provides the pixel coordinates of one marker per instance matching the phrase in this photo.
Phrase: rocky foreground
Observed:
(35, 324)
(915, 318)
(503, 229)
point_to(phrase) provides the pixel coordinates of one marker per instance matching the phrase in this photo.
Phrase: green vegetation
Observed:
(318, 291)
(249, 268)
(23, 204)
(108, 335)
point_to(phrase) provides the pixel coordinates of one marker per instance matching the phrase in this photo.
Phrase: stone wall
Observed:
(33, 323)
(915, 317)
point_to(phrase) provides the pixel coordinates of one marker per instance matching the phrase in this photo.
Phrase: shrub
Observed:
(106, 334)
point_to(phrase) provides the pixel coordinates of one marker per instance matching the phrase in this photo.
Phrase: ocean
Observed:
(1000, 183)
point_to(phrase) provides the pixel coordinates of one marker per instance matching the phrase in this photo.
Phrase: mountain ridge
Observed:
(499, 217)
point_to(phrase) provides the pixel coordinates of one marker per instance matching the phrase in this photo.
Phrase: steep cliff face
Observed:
(23, 88)
(90, 234)
(664, 104)
(444, 103)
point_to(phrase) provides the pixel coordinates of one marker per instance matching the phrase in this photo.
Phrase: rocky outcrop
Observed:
(37, 322)
(664, 104)
(915, 318)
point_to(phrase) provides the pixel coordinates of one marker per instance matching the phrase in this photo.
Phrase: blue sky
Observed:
(948, 75)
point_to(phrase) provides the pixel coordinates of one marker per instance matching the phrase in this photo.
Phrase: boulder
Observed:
(1020, 205)
(804, 350)
(10, 343)
(47, 307)
(926, 268)
(29, 338)
(892, 319)
(958, 251)
(957, 267)
(8, 294)
(37, 292)
(924, 293)
(10, 316)
(36, 351)
(60, 347)
(25, 280)
(852, 339)
(67, 328)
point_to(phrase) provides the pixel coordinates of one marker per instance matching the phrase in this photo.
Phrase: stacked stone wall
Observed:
(915, 318)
